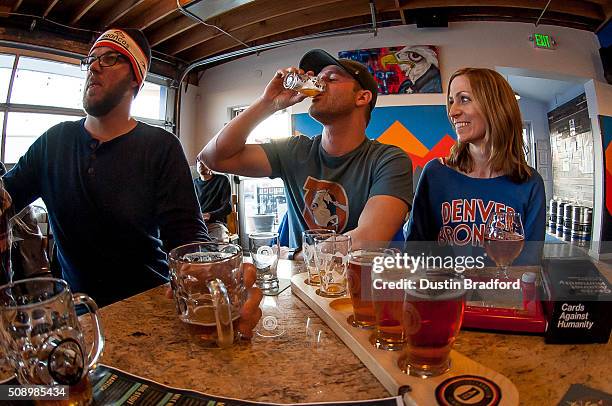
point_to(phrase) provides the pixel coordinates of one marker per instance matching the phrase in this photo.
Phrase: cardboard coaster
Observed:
(583, 395)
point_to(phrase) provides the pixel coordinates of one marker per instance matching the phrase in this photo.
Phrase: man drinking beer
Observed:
(339, 180)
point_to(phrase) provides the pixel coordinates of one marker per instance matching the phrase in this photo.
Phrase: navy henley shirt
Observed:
(114, 208)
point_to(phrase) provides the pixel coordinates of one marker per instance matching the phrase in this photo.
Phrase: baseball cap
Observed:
(317, 59)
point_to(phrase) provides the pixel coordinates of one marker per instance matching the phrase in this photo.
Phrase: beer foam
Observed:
(206, 257)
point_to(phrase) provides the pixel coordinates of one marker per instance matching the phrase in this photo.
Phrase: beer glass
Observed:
(6, 369)
(504, 239)
(305, 84)
(360, 285)
(43, 338)
(432, 316)
(388, 300)
(308, 249)
(265, 248)
(208, 284)
(332, 257)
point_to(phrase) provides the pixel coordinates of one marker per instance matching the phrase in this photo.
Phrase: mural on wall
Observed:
(398, 70)
(606, 221)
(423, 132)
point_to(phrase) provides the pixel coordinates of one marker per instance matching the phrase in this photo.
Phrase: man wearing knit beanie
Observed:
(119, 192)
(115, 51)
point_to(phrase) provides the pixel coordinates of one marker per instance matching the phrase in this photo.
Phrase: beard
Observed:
(109, 101)
(331, 107)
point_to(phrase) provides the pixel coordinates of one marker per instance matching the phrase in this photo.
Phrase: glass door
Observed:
(262, 201)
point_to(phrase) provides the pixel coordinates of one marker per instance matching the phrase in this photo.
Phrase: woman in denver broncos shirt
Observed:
(486, 170)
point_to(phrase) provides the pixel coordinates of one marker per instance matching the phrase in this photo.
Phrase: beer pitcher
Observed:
(208, 285)
(42, 334)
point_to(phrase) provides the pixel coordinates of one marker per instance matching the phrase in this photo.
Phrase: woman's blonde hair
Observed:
(504, 126)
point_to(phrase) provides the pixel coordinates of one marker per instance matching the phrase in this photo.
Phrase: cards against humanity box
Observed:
(578, 302)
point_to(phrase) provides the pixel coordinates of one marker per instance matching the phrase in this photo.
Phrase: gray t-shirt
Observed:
(324, 191)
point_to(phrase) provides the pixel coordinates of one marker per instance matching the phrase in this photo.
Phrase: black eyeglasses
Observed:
(105, 60)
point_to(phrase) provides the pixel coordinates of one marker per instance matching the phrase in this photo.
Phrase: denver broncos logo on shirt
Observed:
(325, 204)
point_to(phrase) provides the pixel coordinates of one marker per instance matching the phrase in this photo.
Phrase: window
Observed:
(263, 201)
(150, 102)
(22, 129)
(6, 68)
(48, 83)
(41, 90)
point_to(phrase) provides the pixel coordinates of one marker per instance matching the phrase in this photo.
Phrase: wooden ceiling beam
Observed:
(301, 32)
(119, 10)
(574, 7)
(170, 29)
(44, 39)
(52, 3)
(608, 10)
(518, 15)
(397, 5)
(148, 13)
(599, 2)
(16, 5)
(54, 41)
(82, 10)
(185, 41)
(251, 13)
(289, 22)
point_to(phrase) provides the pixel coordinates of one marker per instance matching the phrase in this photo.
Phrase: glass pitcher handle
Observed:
(98, 342)
(223, 313)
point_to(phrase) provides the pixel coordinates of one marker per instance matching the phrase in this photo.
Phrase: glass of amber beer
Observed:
(388, 298)
(208, 284)
(308, 248)
(43, 337)
(504, 239)
(359, 280)
(432, 314)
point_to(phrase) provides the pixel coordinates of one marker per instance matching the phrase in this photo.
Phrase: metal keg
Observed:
(581, 224)
(560, 212)
(567, 222)
(552, 216)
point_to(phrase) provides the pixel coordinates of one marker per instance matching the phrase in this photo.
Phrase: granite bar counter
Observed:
(310, 364)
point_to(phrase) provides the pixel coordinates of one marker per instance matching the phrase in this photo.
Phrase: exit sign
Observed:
(543, 41)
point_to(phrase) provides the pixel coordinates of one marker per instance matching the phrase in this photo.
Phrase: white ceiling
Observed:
(543, 90)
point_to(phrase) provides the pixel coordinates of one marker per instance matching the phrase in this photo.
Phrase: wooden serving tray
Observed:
(467, 383)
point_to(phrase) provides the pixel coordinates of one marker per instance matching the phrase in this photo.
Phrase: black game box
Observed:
(578, 302)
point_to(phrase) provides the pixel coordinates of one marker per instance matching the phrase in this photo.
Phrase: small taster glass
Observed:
(305, 84)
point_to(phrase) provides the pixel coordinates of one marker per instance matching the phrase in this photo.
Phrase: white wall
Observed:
(599, 102)
(189, 123)
(484, 44)
(568, 95)
(535, 112)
